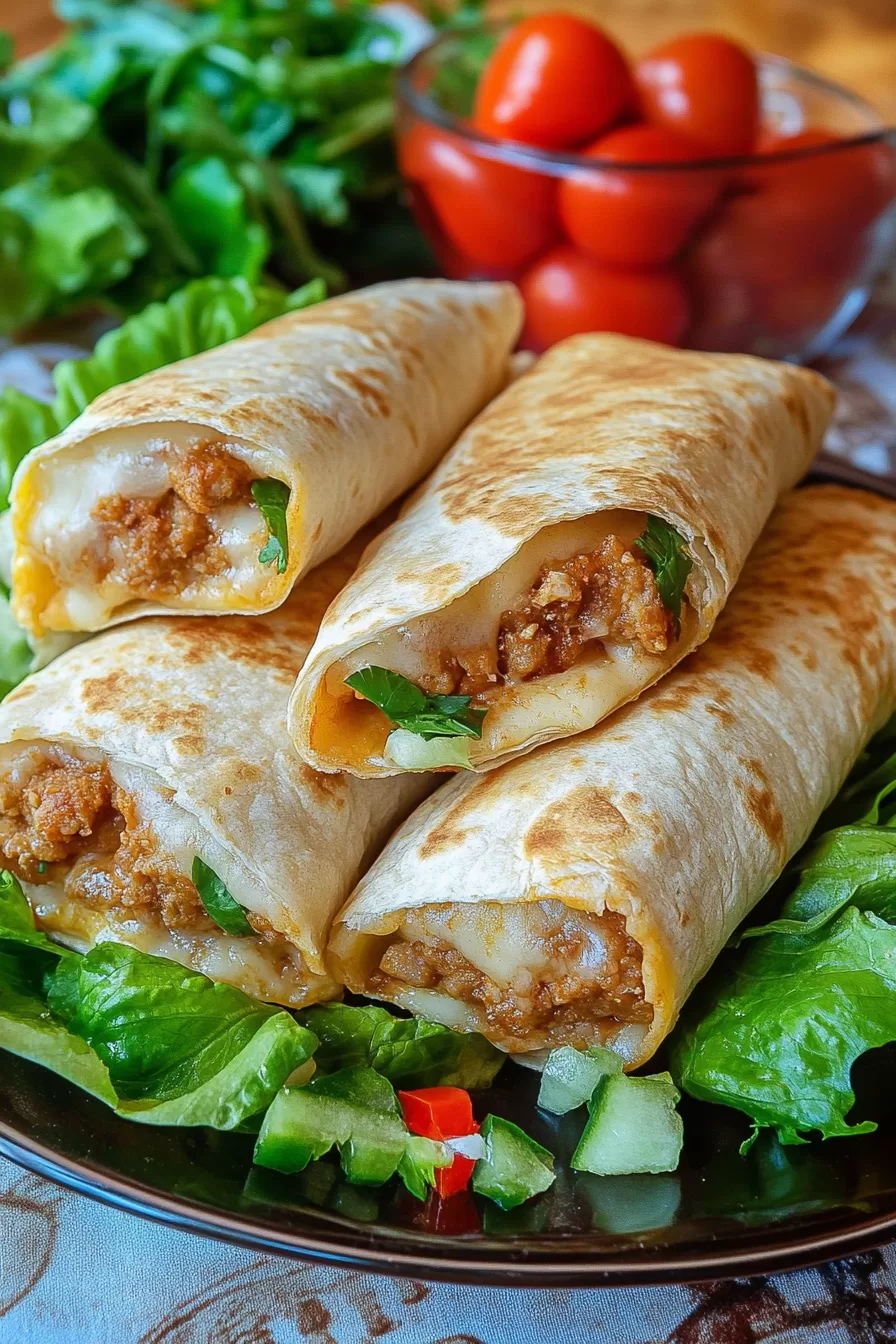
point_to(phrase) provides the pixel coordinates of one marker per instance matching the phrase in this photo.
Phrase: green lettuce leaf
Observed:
(36, 128)
(210, 207)
(161, 1030)
(143, 1022)
(202, 315)
(778, 1033)
(81, 239)
(665, 550)
(411, 709)
(407, 1051)
(852, 865)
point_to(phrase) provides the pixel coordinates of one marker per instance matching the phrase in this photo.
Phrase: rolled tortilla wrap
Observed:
(578, 895)
(512, 575)
(145, 503)
(163, 741)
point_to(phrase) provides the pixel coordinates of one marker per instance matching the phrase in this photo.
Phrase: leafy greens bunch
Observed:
(786, 1015)
(157, 143)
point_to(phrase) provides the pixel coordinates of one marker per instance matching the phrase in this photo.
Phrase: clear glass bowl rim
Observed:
(556, 164)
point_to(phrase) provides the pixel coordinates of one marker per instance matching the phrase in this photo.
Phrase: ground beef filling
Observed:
(607, 594)
(159, 546)
(544, 1010)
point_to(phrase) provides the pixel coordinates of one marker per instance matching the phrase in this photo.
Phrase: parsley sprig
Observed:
(406, 706)
(664, 549)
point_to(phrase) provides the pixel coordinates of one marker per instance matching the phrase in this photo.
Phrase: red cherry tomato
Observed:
(566, 293)
(833, 195)
(764, 278)
(704, 86)
(553, 81)
(636, 218)
(496, 214)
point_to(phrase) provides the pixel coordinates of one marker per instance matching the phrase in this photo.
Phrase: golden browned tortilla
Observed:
(578, 894)
(145, 505)
(164, 740)
(512, 575)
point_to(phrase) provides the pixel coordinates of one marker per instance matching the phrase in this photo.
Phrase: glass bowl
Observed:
(770, 253)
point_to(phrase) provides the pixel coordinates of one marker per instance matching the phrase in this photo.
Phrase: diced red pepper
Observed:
(442, 1113)
(451, 1180)
(438, 1112)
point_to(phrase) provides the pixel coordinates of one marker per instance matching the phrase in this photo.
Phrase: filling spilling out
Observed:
(582, 598)
(92, 868)
(530, 977)
(606, 594)
(174, 517)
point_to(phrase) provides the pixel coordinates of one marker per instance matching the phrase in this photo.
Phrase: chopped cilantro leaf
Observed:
(405, 705)
(227, 913)
(272, 498)
(665, 551)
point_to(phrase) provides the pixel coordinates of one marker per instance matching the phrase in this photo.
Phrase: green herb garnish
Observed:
(272, 498)
(227, 913)
(665, 551)
(405, 705)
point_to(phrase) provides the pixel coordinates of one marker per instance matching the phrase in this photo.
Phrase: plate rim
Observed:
(801, 1251)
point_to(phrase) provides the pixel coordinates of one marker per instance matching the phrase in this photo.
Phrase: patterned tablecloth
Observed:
(74, 1272)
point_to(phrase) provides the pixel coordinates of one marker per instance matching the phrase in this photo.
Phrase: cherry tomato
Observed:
(496, 214)
(553, 81)
(566, 293)
(832, 196)
(705, 87)
(638, 218)
(765, 280)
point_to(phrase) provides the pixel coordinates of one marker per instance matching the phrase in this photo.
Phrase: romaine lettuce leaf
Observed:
(36, 128)
(161, 1030)
(210, 207)
(407, 1051)
(161, 1044)
(778, 1032)
(852, 865)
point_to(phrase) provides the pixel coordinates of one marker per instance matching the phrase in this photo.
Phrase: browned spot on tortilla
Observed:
(761, 805)
(368, 385)
(723, 715)
(315, 535)
(328, 788)
(576, 822)
(243, 639)
(446, 836)
(99, 693)
(604, 408)
(189, 744)
(21, 692)
(439, 577)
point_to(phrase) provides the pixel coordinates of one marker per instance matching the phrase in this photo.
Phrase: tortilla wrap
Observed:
(165, 740)
(145, 505)
(568, 462)
(578, 895)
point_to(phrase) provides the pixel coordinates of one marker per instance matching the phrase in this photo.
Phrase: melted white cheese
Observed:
(251, 964)
(134, 462)
(546, 707)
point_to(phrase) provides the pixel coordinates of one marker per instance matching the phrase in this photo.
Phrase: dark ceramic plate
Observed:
(720, 1215)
